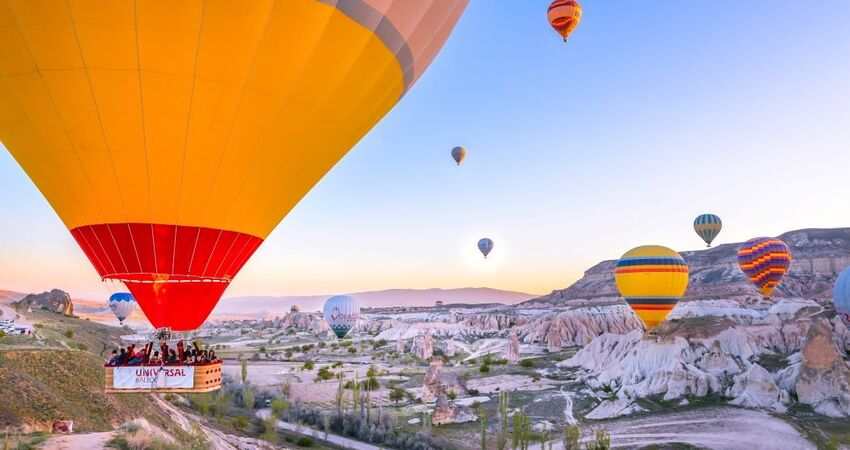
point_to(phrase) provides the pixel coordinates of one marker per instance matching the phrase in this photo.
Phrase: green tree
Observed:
(324, 374)
(572, 434)
(270, 430)
(239, 423)
(340, 397)
(484, 369)
(202, 403)
(308, 365)
(248, 398)
(601, 441)
(396, 395)
(221, 402)
(452, 395)
(280, 408)
(69, 334)
(527, 363)
(502, 437)
(482, 415)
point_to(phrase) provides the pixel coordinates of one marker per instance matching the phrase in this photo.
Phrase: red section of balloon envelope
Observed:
(176, 273)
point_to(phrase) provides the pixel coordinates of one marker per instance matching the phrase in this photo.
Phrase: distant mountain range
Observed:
(270, 305)
(818, 256)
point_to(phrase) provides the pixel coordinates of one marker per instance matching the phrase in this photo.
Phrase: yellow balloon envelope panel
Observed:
(172, 136)
(652, 279)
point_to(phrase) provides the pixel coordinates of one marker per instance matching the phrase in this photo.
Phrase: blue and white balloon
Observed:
(485, 246)
(122, 304)
(341, 312)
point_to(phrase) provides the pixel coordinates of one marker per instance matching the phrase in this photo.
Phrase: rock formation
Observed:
(423, 346)
(512, 349)
(437, 381)
(400, 345)
(824, 377)
(554, 339)
(451, 348)
(56, 301)
(447, 411)
(755, 388)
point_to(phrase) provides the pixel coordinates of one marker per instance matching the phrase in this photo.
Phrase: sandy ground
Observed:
(78, 441)
(721, 428)
(509, 383)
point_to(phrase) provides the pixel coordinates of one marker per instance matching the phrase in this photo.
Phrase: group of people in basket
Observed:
(165, 355)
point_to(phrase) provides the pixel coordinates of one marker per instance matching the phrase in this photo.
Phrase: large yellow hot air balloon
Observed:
(172, 136)
(652, 279)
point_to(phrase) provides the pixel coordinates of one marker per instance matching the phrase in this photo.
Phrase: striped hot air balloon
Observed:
(652, 279)
(122, 304)
(841, 296)
(708, 226)
(171, 137)
(564, 16)
(764, 261)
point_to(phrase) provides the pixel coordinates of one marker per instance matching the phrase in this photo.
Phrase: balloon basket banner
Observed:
(162, 379)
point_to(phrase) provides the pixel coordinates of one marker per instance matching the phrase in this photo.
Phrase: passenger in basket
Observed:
(213, 358)
(172, 357)
(113, 359)
(136, 360)
(122, 357)
(155, 359)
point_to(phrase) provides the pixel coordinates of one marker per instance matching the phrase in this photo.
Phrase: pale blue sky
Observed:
(654, 112)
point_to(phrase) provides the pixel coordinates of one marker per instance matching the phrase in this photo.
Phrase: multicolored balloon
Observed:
(764, 261)
(122, 304)
(652, 279)
(708, 226)
(341, 312)
(564, 16)
(485, 246)
(841, 296)
(172, 137)
(458, 153)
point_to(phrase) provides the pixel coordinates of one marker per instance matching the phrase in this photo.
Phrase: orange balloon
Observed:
(564, 16)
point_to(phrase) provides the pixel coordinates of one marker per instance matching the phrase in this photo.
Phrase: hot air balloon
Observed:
(564, 16)
(841, 296)
(652, 279)
(341, 312)
(708, 227)
(172, 137)
(485, 246)
(122, 304)
(458, 153)
(764, 261)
